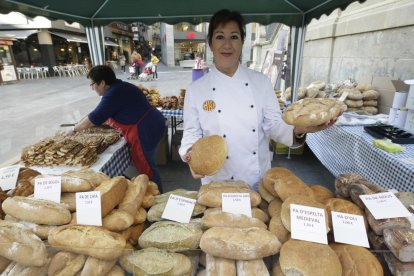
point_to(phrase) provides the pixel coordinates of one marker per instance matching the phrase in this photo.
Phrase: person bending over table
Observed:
(125, 107)
(239, 104)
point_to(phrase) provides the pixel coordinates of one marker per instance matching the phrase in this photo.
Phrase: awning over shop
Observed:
(110, 43)
(72, 37)
(16, 34)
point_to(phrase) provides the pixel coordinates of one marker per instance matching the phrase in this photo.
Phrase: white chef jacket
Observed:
(245, 111)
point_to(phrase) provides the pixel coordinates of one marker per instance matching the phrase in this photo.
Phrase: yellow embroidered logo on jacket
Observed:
(209, 105)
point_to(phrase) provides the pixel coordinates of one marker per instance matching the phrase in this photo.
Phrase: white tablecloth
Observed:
(343, 149)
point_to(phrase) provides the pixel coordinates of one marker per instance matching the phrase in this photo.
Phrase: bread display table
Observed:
(172, 115)
(343, 149)
(113, 161)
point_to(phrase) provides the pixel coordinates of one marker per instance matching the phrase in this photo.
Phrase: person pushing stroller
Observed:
(148, 73)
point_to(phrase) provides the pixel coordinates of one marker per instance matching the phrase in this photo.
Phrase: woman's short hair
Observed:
(222, 17)
(100, 73)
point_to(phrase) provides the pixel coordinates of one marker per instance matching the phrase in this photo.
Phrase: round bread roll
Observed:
(321, 193)
(208, 155)
(354, 103)
(353, 94)
(370, 95)
(357, 260)
(313, 112)
(267, 196)
(373, 103)
(364, 87)
(286, 183)
(277, 228)
(308, 259)
(300, 200)
(370, 110)
(343, 206)
(269, 181)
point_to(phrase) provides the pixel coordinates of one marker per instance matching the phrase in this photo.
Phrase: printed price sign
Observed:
(308, 223)
(236, 203)
(179, 208)
(385, 205)
(350, 229)
(48, 188)
(343, 96)
(88, 208)
(8, 177)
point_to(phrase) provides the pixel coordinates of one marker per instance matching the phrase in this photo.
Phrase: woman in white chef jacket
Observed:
(237, 103)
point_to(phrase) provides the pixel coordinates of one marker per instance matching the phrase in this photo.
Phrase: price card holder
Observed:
(88, 208)
(8, 177)
(48, 188)
(179, 208)
(308, 223)
(385, 205)
(350, 229)
(236, 203)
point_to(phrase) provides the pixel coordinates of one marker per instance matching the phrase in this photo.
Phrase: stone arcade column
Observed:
(46, 48)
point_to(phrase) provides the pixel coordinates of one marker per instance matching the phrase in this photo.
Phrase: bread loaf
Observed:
(16, 269)
(397, 267)
(82, 180)
(210, 194)
(407, 199)
(239, 243)
(152, 189)
(89, 240)
(182, 264)
(117, 220)
(97, 267)
(148, 201)
(376, 241)
(378, 225)
(136, 232)
(357, 260)
(216, 266)
(287, 184)
(275, 207)
(357, 189)
(208, 155)
(116, 271)
(253, 267)
(218, 218)
(21, 245)
(277, 228)
(140, 216)
(370, 95)
(260, 214)
(70, 200)
(343, 206)
(134, 194)
(112, 193)
(343, 181)
(308, 258)
(171, 235)
(321, 193)
(42, 231)
(401, 243)
(277, 270)
(66, 264)
(267, 196)
(151, 261)
(38, 211)
(269, 181)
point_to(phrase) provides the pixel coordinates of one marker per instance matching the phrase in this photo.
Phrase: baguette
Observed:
(66, 264)
(16, 269)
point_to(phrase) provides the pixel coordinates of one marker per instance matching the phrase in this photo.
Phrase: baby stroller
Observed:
(147, 74)
(134, 69)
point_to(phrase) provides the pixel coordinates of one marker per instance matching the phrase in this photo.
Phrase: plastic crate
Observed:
(283, 149)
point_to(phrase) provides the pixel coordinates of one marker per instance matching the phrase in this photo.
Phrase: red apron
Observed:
(131, 135)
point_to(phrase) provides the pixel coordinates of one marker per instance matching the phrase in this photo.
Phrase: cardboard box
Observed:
(410, 98)
(387, 88)
(409, 122)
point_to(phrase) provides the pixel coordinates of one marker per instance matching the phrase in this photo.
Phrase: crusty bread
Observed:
(343, 181)
(313, 112)
(21, 245)
(269, 181)
(134, 194)
(117, 220)
(112, 193)
(82, 180)
(378, 225)
(401, 243)
(407, 199)
(140, 216)
(182, 264)
(260, 214)
(300, 200)
(253, 267)
(136, 232)
(239, 243)
(218, 218)
(216, 266)
(397, 267)
(152, 188)
(208, 155)
(266, 195)
(275, 207)
(151, 261)
(66, 263)
(210, 194)
(277, 228)
(70, 200)
(16, 269)
(307, 258)
(377, 241)
(97, 267)
(42, 231)
(287, 184)
(171, 235)
(343, 206)
(89, 240)
(38, 211)
(116, 271)
(148, 201)
(321, 193)
(357, 260)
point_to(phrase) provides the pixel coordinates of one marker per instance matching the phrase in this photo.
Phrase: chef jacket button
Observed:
(254, 130)
(254, 152)
(219, 111)
(224, 135)
(246, 84)
(214, 89)
(252, 106)
(232, 177)
(227, 157)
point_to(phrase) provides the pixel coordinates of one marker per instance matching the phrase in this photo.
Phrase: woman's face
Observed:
(99, 87)
(226, 45)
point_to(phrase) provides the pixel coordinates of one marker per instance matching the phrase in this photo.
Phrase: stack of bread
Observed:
(361, 98)
(279, 98)
(40, 237)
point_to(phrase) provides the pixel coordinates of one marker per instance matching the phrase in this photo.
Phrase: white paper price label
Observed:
(350, 229)
(179, 208)
(308, 223)
(343, 96)
(236, 203)
(8, 177)
(48, 188)
(88, 208)
(385, 205)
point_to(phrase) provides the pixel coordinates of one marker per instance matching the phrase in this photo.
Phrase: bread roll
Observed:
(216, 266)
(364, 87)
(312, 112)
(70, 200)
(112, 193)
(116, 271)
(287, 184)
(218, 218)
(275, 207)
(117, 220)
(21, 245)
(66, 264)
(321, 193)
(210, 194)
(140, 216)
(353, 103)
(171, 235)
(136, 232)
(152, 189)
(182, 264)
(308, 258)
(378, 225)
(151, 261)
(208, 155)
(397, 267)
(97, 267)
(38, 211)
(89, 240)
(134, 194)
(260, 214)
(357, 260)
(370, 95)
(371, 103)
(269, 181)
(148, 201)
(239, 243)
(264, 193)
(277, 270)
(277, 228)
(401, 243)
(253, 267)
(343, 206)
